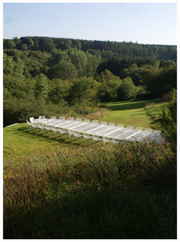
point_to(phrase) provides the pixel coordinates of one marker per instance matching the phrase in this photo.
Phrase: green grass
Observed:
(59, 189)
(18, 141)
(130, 113)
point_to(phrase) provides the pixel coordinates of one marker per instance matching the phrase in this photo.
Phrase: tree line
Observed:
(105, 49)
(73, 80)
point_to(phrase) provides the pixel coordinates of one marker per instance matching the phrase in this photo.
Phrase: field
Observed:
(59, 189)
(130, 113)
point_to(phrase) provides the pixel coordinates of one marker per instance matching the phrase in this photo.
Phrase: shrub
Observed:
(168, 120)
(15, 110)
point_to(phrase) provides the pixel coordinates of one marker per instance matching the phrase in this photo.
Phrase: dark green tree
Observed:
(82, 91)
(64, 70)
(126, 90)
(17, 42)
(15, 53)
(58, 91)
(135, 72)
(76, 44)
(167, 64)
(92, 64)
(47, 44)
(24, 47)
(56, 56)
(9, 44)
(79, 60)
(160, 80)
(29, 42)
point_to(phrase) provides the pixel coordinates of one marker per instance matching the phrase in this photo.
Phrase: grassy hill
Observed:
(59, 189)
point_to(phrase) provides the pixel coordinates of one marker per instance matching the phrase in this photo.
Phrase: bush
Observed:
(168, 119)
(17, 111)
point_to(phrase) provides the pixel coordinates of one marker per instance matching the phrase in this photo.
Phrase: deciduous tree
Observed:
(41, 87)
(127, 89)
(64, 70)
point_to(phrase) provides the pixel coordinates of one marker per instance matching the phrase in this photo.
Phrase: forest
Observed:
(55, 76)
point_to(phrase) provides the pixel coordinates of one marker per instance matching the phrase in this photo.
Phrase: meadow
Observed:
(56, 188)
(131, 113)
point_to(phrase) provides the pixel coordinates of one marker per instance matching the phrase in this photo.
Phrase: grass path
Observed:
(129, 113)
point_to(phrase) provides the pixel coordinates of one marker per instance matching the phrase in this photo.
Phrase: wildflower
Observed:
(165, 219)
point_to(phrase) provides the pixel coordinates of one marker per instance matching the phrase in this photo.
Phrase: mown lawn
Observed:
(130, 113)
(19, 141)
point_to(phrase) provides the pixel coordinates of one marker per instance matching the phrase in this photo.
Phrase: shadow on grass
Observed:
(134, 104)
(63, 139)
(127, 106)
(33, 134)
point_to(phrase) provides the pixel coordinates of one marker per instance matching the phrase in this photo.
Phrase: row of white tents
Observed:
(94, 130)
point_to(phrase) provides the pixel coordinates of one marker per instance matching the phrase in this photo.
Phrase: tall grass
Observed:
(83, 191)
(125, 191)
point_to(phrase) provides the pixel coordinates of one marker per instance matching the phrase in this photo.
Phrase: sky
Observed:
(144, 22)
